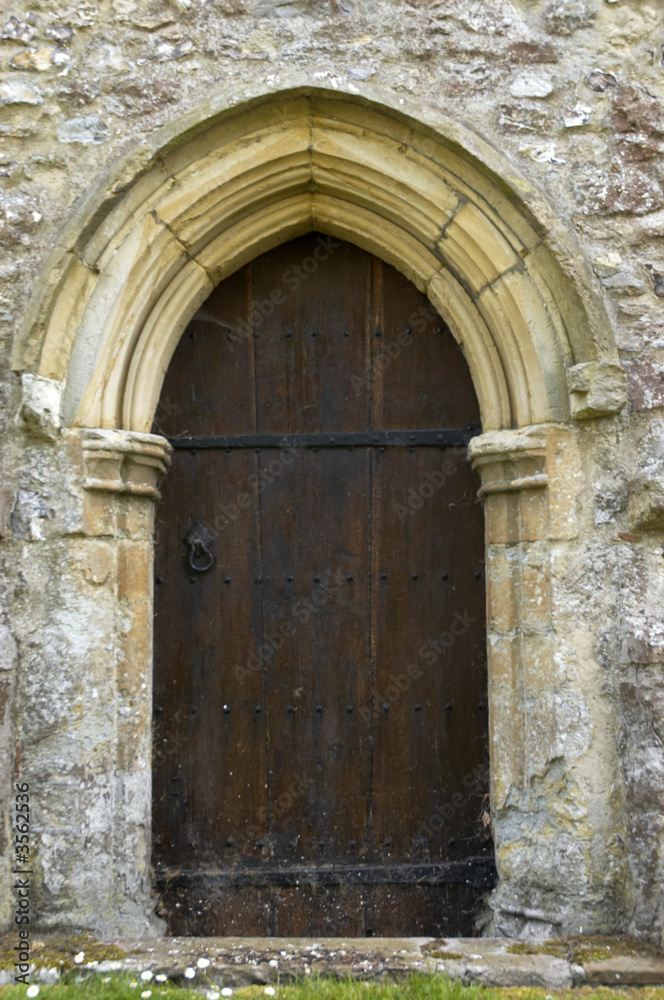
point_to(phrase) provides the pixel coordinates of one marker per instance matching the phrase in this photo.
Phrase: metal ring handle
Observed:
(199, 541)
(198, 549)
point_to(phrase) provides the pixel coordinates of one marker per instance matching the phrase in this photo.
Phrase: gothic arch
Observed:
(168, 224)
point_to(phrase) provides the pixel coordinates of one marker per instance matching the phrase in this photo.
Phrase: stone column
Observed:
(85, 701)
(547, 733)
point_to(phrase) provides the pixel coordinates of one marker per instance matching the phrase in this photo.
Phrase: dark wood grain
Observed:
(320, 690)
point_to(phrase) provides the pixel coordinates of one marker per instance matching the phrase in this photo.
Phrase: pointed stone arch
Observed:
(151, 243)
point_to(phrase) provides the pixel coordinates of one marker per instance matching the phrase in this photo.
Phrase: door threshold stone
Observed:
(240, 961)
(243, 961)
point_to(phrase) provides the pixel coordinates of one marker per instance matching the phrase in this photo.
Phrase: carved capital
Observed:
(509, 461)
(124, 461)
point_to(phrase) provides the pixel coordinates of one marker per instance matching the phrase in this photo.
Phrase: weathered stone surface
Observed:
(558, 106)
(646, 503)
(646, 381)
(19, 92)
(562, 17)
(491, 963)
(41, 405)
(531, 84)
(35, 60)
(86, 129)
(597, 389)
(626, 970)
(19, 30)
(242, 962)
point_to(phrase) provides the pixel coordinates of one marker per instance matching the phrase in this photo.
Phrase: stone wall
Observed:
(568, 92)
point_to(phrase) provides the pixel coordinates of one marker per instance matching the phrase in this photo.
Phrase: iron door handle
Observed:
(199, 540)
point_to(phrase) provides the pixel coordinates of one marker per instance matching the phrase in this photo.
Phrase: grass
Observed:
(414, 987)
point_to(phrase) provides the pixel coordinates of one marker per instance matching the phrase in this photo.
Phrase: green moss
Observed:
(48, 951)
(436, 953)
(580, 949)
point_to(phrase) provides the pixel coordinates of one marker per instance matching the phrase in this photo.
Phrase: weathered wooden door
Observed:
(321, 759)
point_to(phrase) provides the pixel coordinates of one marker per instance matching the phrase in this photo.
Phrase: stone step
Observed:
(238, 962)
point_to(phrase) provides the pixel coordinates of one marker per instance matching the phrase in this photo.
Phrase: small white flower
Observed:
(270, 991)
(32, 991)
(273, 962)
(189, 973)
(203, 963)
(79, 958)
(147, 975)
(212, 995)
(145, 994)
(133, 983)
(106, 979)
(161, 978)
(227, 992)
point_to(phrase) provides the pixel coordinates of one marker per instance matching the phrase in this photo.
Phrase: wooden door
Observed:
(321, 756)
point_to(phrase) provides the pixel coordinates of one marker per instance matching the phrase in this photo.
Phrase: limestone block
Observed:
(566, 479)
(503, 586)
(41, 401)
(501, 518)
(534, 514)
(475, 248)
(134, 571)
(506, 718)
(623, 970)
(96, 562)
(597, 389)
(100, 514)
(135, 517)
(536, 587)
(646, 503)
(135, 664)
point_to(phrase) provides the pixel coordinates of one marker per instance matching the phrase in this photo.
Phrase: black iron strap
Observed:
(457, 437)
(478, 872)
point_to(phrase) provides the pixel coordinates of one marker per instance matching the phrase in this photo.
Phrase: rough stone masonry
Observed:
(568, 94)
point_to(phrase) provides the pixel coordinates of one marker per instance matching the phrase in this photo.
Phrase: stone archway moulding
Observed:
(146, 251)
